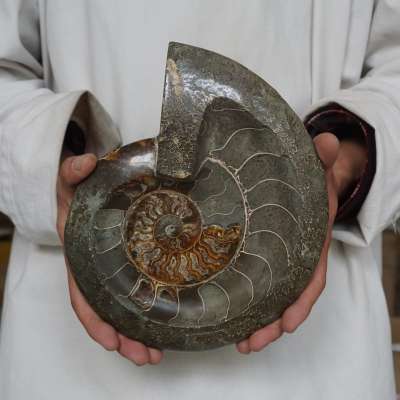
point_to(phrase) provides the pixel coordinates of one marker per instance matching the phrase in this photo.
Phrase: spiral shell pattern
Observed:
(208, 232)
(200, 254)
(167, 242)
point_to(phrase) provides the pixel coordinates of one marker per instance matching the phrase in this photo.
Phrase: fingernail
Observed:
(77, 164)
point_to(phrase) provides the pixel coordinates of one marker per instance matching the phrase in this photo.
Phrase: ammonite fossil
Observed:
(197, 238)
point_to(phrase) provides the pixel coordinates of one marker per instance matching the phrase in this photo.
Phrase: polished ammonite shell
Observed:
(198, 237)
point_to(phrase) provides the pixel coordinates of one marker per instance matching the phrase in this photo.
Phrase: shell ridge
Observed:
(266, 263)
(274, 180)
(251, 285)
(227, 296)
(252, 211)
(108, 277)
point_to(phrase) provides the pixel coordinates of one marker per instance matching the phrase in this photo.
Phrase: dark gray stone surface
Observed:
(199, 237)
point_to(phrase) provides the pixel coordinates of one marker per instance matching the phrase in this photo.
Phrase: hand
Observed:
(343, 163)
(72, 171)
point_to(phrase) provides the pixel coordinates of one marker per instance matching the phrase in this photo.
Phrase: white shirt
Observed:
(312, 52)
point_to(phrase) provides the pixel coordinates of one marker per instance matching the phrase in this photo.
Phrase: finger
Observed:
(98, 330)
(327, 146)
(134, 351)
(155, 356)
(243, 346)
(76, 168)
(73, 170)
(299, 311)
(265, 336)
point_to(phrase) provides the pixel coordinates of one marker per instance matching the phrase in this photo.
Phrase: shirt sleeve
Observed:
(346, 125)
(376, 100)
(33, 122)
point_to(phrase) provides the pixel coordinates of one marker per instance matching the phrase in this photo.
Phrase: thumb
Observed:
(327, 146)
(76, 168)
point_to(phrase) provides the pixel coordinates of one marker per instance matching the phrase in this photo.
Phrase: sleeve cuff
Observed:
(344, 125)
(31, 143)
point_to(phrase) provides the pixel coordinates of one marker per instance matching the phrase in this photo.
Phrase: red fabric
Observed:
(344, 124)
